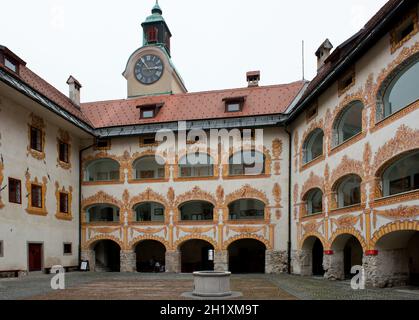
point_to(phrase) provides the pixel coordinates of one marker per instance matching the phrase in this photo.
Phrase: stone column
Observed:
(333, 265)
(305, 261)
(173, 264)
(128, 261)
(276, 262)
(221, 260)
(89, 255)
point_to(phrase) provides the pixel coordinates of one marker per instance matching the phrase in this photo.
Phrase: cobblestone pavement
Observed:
(114, 286)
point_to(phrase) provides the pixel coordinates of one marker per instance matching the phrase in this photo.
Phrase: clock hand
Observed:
(142, 59)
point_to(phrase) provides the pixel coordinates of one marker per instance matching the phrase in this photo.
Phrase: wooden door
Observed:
(35, 257)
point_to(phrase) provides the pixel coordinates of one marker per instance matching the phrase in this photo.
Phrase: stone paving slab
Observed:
(135, 286)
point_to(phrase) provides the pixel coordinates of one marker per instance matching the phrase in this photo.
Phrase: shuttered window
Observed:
(36, 139)
(63, 202)
(15, 193)
(36, 196)
(63, 152)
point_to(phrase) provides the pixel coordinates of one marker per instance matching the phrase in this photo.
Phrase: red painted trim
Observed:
(371, 253)
(328, 252)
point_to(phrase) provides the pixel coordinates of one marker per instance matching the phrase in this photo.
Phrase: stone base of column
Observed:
(173, 264)
(276, 262)
(302, 263)
(334, 266)
(89, 255)
(221, 261)
(387, 269)
(128, 261)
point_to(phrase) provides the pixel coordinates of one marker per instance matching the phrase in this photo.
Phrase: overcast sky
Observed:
(214, 42)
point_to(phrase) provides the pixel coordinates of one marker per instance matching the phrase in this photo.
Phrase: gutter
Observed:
(345, 61)
(289, 243)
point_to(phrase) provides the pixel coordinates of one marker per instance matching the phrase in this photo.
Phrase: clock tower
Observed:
(150, 70)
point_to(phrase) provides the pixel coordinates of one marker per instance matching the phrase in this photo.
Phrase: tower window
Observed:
(152, 34)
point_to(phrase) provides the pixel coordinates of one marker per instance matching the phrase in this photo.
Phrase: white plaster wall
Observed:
(17, 227)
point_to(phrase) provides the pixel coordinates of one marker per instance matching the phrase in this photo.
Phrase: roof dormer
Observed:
(10, 61)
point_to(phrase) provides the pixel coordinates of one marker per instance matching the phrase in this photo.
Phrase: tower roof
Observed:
(156, 14)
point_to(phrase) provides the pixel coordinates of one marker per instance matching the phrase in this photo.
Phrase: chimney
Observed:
(253, 78)
(74, 90)
(322, 53)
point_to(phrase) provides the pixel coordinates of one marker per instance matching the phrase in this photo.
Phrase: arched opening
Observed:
(312, 257)
(398, 258)
(246, 209)
(151, 256)
(107, 256)
(195, 256)
(349, 123)
(102, 213)
(149, 168)
(313, 146)
(402, 90)
(348, 191)
(248, 163)
(314, 202)
(402, 176)
(196, 211)
(196, 165)
(149, 212)
(347, 253)
(246, 256)
(102, 170)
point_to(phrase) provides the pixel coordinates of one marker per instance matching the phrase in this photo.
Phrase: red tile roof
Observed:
(193, 106)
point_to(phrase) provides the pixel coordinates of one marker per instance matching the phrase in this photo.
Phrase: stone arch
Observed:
(313, 182)
(407, 56)
(148, 196)
(93, 241)
(313, 235)
(147, 153)
(348, 231)
(196, 194)
(261, 239)
(246, 192)
(100, 198)
(393, 227)
(184, 239)
(104, 155)
(137, 240)
(263, 150)
(193, 149)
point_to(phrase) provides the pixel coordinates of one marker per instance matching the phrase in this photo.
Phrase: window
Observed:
(311, 113)
(349, 192)
(102, 170)
(67, 249)
(248, 163)
(36, 196)
(313, 146)
(347, 81)
(102, 144)
(247, 209)
(196, 165)
(402, 176)
(102, 213)
(1, 249)
(314, 202)
(36, 139)
(405, 30)
(403, 90)
(196, 211)
(348, 124)
(63, 152)
(152, 33)
(10, 64)
(234, 104)
(15, 191)
(150, 167)
(148, 140)
(64, 202)
(149, 212)
(147, 113)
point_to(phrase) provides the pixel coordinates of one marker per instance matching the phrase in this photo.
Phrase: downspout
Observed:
(80, 185)
(289, 198)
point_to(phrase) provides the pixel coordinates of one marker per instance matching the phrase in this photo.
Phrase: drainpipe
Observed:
(80, 185)
(289, 197)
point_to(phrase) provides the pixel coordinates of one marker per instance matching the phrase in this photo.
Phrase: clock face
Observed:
(149, 69)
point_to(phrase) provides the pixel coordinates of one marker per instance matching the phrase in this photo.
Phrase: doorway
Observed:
(35, 256)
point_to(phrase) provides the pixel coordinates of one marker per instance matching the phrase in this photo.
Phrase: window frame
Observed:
(39, 136)
(20, 191)
(311, 139)
(67, 202)
(36, 206)
(71, 249)
(65, 159)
